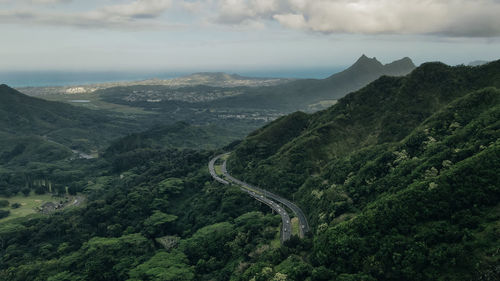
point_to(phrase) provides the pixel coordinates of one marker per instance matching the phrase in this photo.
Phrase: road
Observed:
(259, 194)
(286, 229)
(303, 224)
(211, 168)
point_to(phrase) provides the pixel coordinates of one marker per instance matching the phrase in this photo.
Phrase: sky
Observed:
(241, 35)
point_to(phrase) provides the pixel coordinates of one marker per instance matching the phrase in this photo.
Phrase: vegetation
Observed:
(43, 152)
(310, 93)
(61, 123)
(112, 236)
(399, 181)
(31, 204)
(22, 206)
(180, 135)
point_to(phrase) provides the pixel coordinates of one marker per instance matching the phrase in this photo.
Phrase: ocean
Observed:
(66, 78)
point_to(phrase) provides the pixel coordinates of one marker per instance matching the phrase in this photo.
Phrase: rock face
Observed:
(168, 242)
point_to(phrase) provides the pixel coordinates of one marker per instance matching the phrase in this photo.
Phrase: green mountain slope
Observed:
(400, 180)
(40, 141)
(385, 111)
(302, 93)
(180, 135)
(75, 127)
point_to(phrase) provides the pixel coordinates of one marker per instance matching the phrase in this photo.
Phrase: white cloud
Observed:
(239, 11)
(136, 9)
(48, 1)
(449, 17)
(193, 7)
(138, 14)
(295, 21)
(35, 1)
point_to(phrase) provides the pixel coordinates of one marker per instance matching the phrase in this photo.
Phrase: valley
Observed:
(396, 180)
(250, 140)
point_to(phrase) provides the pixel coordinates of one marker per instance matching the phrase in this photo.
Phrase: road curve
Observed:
(303, 224)
(286, 230)
(285, 218)
(211, 168)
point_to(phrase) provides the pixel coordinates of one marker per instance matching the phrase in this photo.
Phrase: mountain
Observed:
(180, 135)
(400, 179)
(370, 69)
(54, 124)
(222, 91)
(301, 94)
(385, 111)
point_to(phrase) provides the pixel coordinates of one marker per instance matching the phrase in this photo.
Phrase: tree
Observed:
(155, 223)
(4, 213)
(164, 266)
(171, 186)
(26, 191)
(111, 258)
(65, 276)
(4, 203)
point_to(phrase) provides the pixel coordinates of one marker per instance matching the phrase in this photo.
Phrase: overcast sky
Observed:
(185, 35)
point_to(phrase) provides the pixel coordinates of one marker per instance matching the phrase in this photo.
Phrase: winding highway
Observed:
(265, 197)
(211, 168)
(286, 230)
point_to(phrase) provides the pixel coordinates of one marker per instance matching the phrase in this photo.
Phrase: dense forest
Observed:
(400, 181)
(42, 142)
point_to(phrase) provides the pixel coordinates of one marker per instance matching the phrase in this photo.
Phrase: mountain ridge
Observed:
(380, 122)
(407, 166)
(25, 115)
(297, 95)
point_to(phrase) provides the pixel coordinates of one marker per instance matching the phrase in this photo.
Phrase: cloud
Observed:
(448, 18)
(295, 21)
(239, 11)
(35, 1)
(138, 14)
(136, 9)
(48, 1)
(467, 18)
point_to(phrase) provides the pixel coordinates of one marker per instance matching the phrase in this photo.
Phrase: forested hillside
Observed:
(384, 112)
(399, 181)
(43, 141)
(180, 135)
(79, 128)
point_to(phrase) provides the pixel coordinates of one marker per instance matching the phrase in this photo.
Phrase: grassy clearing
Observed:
(28, 205)
(218, 170)
(295, 226)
